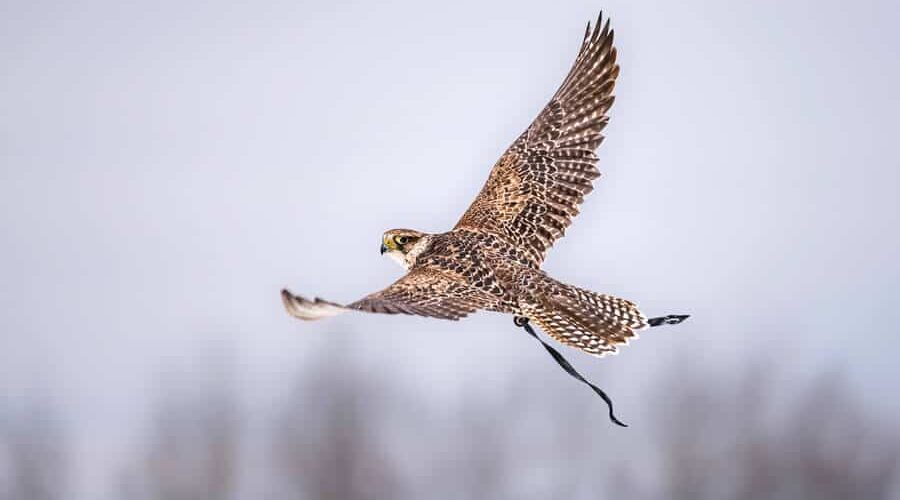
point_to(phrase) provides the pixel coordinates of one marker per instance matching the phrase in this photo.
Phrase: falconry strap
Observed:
(523, 322)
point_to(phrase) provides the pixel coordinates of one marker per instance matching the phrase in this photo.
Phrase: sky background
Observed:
(167, 167)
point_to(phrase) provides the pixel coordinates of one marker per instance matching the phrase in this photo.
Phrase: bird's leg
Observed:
(522, 322)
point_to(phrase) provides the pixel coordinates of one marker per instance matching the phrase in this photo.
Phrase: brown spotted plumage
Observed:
(491, 260)
(537, 186)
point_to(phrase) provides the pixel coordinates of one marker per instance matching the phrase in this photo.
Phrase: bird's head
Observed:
(398, 243)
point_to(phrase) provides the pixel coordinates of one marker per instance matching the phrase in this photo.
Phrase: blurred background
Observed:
(166, 167)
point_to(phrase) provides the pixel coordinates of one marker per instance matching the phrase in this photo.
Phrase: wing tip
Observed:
(308, 310)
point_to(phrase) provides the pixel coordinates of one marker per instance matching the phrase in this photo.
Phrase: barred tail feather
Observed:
(592, 322)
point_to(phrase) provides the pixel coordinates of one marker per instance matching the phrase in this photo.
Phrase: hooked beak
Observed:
(384, 248)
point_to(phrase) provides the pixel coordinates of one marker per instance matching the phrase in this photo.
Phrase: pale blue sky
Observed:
(166, 167)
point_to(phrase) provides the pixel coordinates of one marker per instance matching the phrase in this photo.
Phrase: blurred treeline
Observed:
(342, 434)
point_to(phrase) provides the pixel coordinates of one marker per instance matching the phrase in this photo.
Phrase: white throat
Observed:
(398, 257)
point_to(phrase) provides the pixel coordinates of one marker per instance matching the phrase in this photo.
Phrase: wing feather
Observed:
(539, 183)
(422, 291)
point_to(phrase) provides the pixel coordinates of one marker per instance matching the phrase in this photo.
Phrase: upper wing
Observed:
(425, 292)
(538, 184)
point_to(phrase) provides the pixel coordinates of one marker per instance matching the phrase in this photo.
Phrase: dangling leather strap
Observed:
(523, 322)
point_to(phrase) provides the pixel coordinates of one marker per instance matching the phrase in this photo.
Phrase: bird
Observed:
(491, 259)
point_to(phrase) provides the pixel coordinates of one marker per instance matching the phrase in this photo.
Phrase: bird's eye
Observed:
(401, 240)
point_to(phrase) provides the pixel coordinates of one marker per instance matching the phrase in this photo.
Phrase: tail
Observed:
(592, 322)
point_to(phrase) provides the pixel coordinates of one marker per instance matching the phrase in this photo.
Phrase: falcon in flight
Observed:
(492, 258)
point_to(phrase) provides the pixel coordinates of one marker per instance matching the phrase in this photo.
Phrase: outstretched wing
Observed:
(537, 186)
(423, 292)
